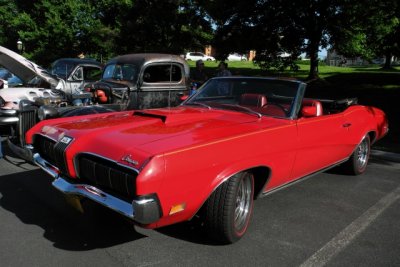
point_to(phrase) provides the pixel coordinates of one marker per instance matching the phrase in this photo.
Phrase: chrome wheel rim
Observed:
(362, 154)
(243, 202)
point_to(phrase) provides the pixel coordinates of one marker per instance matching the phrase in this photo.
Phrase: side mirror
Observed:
(308, 112)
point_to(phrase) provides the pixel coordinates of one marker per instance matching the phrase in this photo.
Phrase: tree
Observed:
(163, 26)
(308, 25)
(375, 30)
(275, 26)
(51, 29)
(55, 29)
(8, 33)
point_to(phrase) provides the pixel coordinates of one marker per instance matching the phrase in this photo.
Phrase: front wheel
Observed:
(229, 208)
(357, 163)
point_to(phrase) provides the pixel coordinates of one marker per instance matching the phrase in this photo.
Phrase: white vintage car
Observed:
(68, 77)
(62, 88)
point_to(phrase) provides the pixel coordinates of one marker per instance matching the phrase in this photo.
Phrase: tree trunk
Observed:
(388, 62)
(313, 74)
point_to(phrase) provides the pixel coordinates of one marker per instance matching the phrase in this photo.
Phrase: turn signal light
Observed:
(177, 208)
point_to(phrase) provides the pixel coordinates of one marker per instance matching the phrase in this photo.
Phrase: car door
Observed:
(81, 76)
(320, 143)
(75, 81)
(162, 85)
(198, 56)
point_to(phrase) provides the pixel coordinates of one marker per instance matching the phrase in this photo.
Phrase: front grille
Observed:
(27, 119)
(107, 175)
(51, 151)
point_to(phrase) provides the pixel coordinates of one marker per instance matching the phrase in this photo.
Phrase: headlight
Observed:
(47, 112)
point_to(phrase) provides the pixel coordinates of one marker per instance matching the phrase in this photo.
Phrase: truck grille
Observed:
(107, 175)
(27, 119)
(51, 151)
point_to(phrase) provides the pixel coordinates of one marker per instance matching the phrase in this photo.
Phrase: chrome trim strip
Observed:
(298, 180)
(9, 120)
(22, 152)
(8, 112)
(96, 195)
(46, 166)
(30, 147)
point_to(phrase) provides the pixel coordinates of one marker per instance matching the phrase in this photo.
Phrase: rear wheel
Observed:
(357, 163)
(228, 210)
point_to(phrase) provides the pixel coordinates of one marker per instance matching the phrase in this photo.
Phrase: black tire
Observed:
(228, 210)
(358, 161)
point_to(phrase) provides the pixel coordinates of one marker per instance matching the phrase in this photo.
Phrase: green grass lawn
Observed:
(371, 85)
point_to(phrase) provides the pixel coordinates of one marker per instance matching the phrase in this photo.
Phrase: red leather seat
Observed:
(313, 103)
(254, 100)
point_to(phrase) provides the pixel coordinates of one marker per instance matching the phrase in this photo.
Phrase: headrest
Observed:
(256, 100)
(313, 103)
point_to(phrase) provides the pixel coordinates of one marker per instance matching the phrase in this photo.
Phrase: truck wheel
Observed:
(229, 208)
(357, 163)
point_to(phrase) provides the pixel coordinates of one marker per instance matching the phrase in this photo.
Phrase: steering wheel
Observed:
(285, 110)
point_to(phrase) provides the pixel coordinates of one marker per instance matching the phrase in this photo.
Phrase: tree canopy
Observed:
(50, 29)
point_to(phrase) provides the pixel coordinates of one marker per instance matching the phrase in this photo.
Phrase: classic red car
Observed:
(237, 139)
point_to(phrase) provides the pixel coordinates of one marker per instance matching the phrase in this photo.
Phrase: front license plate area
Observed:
(75, 202)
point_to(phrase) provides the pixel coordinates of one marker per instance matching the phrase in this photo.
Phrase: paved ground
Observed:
(330, 219)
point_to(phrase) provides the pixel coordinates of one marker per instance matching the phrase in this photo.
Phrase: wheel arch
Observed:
(261, 174)
(261, 178)
(372, 136)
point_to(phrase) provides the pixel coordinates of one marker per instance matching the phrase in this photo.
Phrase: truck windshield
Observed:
(62, 69)
(120, 72)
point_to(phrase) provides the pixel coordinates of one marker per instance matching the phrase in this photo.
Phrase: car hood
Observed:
(23, 68)
(153, 132)
(16, 94)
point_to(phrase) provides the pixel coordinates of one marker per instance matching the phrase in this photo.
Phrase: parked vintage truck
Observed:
(134, 81)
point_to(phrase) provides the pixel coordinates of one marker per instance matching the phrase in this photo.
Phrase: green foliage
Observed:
(51, 29)
(273, 27)
(375, 30)
(8, 33)
(163, 26)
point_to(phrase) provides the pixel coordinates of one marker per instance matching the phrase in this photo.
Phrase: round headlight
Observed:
(47, 112)
(41, 114)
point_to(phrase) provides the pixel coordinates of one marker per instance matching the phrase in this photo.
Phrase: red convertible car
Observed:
(237, 139)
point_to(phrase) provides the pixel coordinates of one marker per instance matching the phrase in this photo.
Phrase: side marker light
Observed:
(177, 208)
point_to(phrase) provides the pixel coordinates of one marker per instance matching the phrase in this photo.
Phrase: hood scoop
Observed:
(178, 115)
(163, 118)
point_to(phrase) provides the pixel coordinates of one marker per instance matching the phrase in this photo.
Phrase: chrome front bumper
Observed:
(22, 152)
(8, 116)
(143, 210)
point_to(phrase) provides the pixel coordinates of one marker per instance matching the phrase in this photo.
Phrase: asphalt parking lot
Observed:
(329, 219)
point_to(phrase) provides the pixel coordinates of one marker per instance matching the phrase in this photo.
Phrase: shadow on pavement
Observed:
(191, 231)
(30, 196)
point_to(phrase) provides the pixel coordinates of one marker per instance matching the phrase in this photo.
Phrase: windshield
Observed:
(62, 69)
(120, 72)
(5, 74)
(258, 96)
(15, 81)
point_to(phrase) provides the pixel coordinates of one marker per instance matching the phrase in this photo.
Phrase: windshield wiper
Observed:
(246, 109)
(198, 104)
